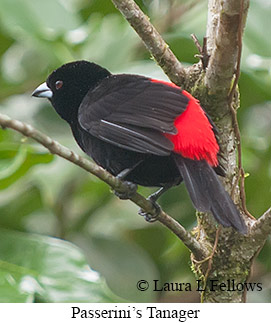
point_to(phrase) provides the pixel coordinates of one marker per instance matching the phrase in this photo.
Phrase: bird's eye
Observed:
(58, 84)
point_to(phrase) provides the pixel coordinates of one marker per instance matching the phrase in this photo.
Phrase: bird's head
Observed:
(66, 86)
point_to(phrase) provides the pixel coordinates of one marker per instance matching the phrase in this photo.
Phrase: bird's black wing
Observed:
(133, 112)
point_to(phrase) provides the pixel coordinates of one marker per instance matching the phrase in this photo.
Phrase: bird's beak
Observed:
(43, 91)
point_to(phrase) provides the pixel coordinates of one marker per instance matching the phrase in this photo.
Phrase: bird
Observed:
(145, 131)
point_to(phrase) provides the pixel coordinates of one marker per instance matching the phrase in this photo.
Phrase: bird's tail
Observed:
(208, 194)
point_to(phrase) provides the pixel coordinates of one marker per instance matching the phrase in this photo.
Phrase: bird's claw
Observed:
(131, 188)
(151, 217)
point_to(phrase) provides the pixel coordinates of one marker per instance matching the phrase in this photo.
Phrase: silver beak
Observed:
(43, 91)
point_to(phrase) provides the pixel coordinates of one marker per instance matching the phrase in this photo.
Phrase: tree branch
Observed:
(56, 148)
(226, 21)
(222, 35)
(241, 173)
(262, 227)
(152, 40)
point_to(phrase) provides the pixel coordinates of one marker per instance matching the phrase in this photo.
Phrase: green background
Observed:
(54, 218)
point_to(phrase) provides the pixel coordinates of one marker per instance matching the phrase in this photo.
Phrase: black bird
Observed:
(146, 131)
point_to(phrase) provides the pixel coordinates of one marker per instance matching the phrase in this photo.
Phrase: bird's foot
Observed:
(130, 190)
(151, 217)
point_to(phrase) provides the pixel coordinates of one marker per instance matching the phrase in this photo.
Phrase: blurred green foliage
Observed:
(45, 199)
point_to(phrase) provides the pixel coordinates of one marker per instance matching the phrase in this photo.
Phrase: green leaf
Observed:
(122, 265)
(104, 49)
(17, 206)
(16, 161)
(37, 17)
(34, 267)
(256, 37)
(259, 81)
(5, 42)
(97, 6)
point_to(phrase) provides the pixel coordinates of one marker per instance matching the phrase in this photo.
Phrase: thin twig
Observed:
(241, 172)
(203, 54)
(56, 148)
(197, 43)
(152, 40)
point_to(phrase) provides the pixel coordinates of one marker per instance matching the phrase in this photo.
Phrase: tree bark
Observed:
(225, 275)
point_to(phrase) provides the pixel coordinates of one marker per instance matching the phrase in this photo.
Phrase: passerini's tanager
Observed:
(150, 132)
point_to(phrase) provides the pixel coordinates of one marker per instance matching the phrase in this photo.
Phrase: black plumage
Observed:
(124, 121)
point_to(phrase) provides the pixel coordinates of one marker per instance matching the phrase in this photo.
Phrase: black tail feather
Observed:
(208, 194)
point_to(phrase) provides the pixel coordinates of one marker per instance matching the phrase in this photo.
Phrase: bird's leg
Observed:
(131, 187)
(153, 198)
(124, 173)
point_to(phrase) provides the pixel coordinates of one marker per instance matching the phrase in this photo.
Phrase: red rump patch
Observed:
(195, 138)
